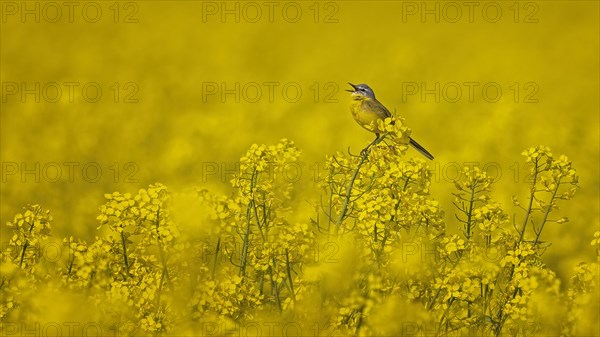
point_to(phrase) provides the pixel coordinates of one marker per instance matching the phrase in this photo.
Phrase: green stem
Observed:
(289, 274)
(537, 237)
(330, 202)
(500, 314)
(25, 247)
(450, 302)
(375, 233)
(254, 208)
(261, 283)
(248, 223)
(163, 259)
(437, 294)
(23, 253)
(360, 320)
(124, 245)
(348, 193)
(216, 256)
(274, 286)
(245, 243)
(364, 155)
(531, 198)
(72, 260)
(484, 291)
(470, 213)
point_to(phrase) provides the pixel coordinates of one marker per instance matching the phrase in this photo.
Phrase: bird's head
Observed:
(361, 91)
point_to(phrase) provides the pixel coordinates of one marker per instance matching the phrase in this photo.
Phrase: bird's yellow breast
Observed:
(364, 116)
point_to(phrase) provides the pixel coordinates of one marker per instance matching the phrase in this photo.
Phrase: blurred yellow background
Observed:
(171, 74)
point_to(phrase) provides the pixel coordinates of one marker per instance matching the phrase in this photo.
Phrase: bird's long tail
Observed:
(421, 149)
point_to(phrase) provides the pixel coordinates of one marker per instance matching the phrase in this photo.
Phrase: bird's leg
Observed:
(375, 141)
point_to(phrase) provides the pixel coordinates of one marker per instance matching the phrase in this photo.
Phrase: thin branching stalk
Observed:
(531, 198)
(23, 253)
(248, 223)
(274, 286)
(25, 247)
(548, 209)
(349, 191)
(70, 268)
(217, 249)
(330, 213)
(442, 323)
(245, 243)
(289, 274)
(261, 283)
(538, 234)
(165, 271)
(470, 212)
(363, 158)
(500, 315)
(258, 222)
(124, 245)
(359, 312)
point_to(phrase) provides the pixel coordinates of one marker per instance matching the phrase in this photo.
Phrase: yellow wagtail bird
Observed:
(366, 110)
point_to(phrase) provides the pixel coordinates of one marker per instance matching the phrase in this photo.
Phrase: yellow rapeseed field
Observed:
(192, 168)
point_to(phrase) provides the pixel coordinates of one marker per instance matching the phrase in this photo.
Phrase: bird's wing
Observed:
(377, 108)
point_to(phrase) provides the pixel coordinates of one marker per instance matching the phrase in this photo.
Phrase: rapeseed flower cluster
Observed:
(253, 240)
(378, 250)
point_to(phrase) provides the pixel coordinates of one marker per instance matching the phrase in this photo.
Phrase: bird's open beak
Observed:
(353, 87)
